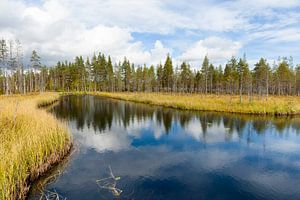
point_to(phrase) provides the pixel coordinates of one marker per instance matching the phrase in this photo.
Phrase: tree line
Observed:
(14, 78)
(99, 73)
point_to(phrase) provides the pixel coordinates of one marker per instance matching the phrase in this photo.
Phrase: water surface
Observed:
(160, 153)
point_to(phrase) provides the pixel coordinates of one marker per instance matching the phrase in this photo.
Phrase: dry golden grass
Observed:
(275, 105)
(31, 141)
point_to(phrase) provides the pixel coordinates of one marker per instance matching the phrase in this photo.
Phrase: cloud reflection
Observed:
(195, 151)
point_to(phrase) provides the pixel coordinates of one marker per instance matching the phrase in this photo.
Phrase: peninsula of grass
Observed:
(275, 105)
(31, 142)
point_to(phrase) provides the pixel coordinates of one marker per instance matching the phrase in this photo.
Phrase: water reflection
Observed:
(99, 114)
(163, 153)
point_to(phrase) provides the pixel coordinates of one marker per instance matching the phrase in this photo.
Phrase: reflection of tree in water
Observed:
(102, 112)
(126, 113)
(281, 124)
(102, 115)
(296, 125)
(86, 110)
(167, 120)
(228, 122)
(165, 117)
(203, 122)
(184, 119)
(260, 125)
(240, 126)
(159, 116)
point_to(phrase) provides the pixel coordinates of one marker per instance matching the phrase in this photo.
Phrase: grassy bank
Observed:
(31, 141)
(275, 105)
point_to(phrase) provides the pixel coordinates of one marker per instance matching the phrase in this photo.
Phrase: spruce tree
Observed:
(110, 74)
(35, 64)
(168, 74)
(204, 70)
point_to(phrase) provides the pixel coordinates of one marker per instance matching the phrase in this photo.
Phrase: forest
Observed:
(99, 73)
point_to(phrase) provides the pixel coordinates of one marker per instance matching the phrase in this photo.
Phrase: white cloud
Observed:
(194, 129)
(136, 15)
(258, 4)
(159, 52)
(284, 35)
(284, 146)
(104, 142)
(52, 30)
(135, 53)
(63, 29)
(218, 50)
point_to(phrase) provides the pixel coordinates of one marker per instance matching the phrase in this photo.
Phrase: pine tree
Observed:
(110, 74)
(19, 71)
(185, 77)
(284, 77)
(211, 75)
(12, 64)
(118, 77)
(94, 71)
(126, 73)
(159, 75)
(244, 76)
(102, 72)
(231, 75)
(204, 70)
(88, 69)
(168, 74)
(262, 75)
(151, 76)
(3, 64)
(35, 61)
(198, 81)
(297, 92)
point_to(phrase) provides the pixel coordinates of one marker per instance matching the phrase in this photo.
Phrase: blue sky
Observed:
(145, 31)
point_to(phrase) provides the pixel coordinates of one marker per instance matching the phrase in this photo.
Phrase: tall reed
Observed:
(31, 139)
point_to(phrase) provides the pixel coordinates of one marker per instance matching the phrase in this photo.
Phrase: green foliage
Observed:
(168, 74)
(35, 60)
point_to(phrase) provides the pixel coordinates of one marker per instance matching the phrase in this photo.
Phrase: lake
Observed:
(126, 150)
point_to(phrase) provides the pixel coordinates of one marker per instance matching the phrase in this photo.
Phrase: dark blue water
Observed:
(160, 153)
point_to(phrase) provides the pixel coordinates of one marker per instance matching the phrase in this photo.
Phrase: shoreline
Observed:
(46, 143)
(52, 161)
(287, 106)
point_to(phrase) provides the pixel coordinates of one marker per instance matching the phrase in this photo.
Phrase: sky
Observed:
(145, 31)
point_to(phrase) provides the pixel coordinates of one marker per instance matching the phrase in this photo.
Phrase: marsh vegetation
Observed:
(275, 105)
(31, 141)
